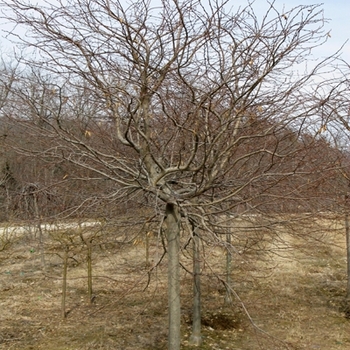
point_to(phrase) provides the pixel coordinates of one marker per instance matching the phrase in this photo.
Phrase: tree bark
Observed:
(228, 297)
(64, 283)
(173, 240)
(347, 233)
(148, 264)
(41, 237)
(196, 337)
(89, 268)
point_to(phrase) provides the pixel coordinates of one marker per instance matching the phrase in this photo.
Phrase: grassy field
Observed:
(290, 295)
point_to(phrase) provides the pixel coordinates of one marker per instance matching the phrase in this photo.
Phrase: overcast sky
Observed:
(337, 11)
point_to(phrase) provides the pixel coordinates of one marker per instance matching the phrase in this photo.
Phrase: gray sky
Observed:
(337, 11)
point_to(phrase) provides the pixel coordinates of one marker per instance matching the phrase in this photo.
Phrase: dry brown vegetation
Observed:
(293, 292)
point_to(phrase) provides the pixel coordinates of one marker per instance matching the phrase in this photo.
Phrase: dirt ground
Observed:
(291, 298)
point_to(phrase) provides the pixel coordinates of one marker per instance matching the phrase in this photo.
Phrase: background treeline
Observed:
(306, 172)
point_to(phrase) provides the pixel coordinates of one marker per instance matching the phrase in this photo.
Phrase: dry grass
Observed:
(294, 295)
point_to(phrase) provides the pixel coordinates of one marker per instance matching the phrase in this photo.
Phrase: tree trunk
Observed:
(41, 237)
(89, 268)
(64, 283)
(347, 232)
(228, 297)
(148, 264)
(196, 337)
(173, 240)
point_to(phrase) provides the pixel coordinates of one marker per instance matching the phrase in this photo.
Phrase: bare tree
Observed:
(336, 128)
(193, 106)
